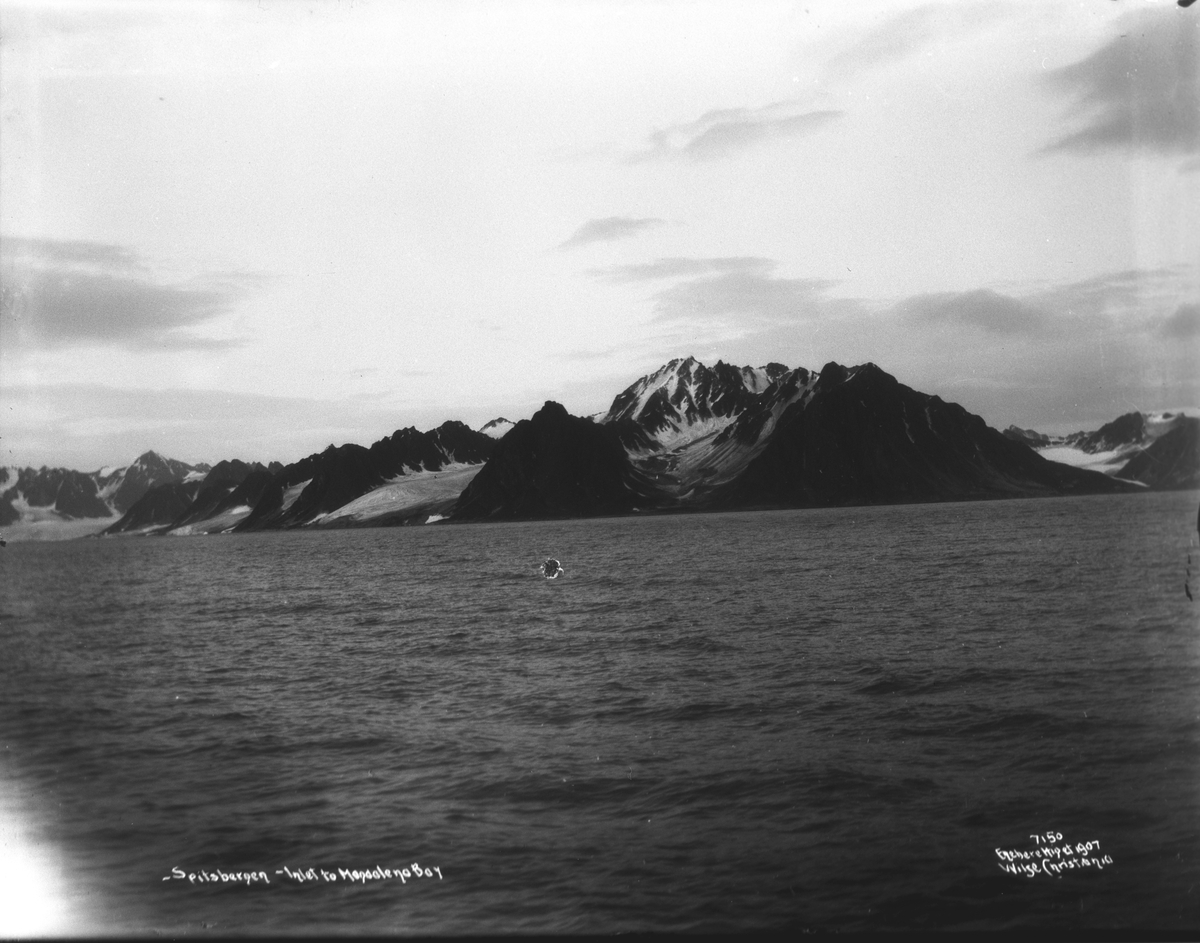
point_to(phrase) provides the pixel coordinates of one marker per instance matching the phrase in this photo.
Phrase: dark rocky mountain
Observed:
(554, 465)
(689, 429)
(858, 436)
(1171, 462)
(157, 508)
(251, 489)
(215, 490)
(124, 486)
(729, 437)
(176, 504)
(321, 483)
(1126, 430)
(70, 494)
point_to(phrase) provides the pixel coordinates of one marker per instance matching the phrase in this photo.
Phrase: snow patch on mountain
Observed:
(44, 523)
(217, 524)
(497, 428)
(292, 493)
(1106, 462)
(431, 492)
(676, 437)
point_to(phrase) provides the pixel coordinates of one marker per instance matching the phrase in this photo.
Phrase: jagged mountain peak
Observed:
(497, 428)
(684, 399)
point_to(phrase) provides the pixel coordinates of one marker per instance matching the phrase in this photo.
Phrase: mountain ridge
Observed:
(685, 437)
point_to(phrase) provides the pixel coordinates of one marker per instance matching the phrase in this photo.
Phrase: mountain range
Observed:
(686, 437)
(66, 494)
(1158, 450)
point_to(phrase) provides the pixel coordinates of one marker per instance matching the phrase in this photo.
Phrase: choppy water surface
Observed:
(811, 719)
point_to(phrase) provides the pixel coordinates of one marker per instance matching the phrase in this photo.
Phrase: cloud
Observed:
(908, 32)
(1184, 324)
(71, 252)
(746, 294)
(609, 229)
(71, 293)
(604, 354)
(721, 133)
(676, 267)
(84, 426)
(1128, 294)
(1133, 300)
(1076, 354)
(1140, 91)
(982, 308)
(741, 287)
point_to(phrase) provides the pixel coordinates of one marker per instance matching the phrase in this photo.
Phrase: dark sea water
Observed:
(825, 719)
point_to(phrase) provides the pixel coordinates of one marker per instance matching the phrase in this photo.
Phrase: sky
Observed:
(254, 228)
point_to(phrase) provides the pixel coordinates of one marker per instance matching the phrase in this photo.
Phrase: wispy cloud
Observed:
(603, 354)
(747, 294)
(983, 308)
(724, 132)
(1141, 90)
(1078, 352)
(1128, 294)
(744, 288)
(1134, 300)
(908, 32)
(610, 228)
(84, 425)
(677, 267)
(70, 293)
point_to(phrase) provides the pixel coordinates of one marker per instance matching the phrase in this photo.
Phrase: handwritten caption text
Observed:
(1053, 856)
(285, 875)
